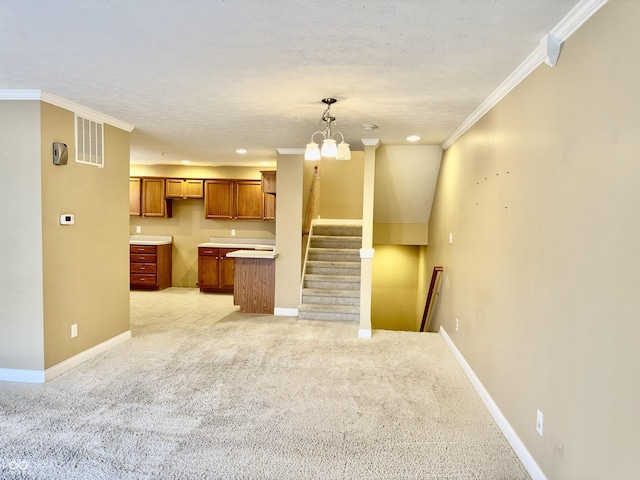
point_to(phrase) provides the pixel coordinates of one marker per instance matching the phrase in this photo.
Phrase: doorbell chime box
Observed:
(60, 153)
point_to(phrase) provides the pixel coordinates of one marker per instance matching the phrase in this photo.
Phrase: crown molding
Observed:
(290, 151)
(66, 104)
(562, 31)
(371, 142)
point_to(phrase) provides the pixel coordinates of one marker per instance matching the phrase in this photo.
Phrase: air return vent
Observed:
(89, 145)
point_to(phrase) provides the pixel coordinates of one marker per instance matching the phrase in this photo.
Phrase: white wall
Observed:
(21, 291)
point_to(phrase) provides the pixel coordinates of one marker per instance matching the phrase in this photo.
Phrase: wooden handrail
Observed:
(312, 200)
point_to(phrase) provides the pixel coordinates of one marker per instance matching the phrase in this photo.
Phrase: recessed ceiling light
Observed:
(241, 151)
(369, 126)
(185, 162)
(413, 138)
(264, 164)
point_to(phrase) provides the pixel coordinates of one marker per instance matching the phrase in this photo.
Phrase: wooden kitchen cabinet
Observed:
(154, 203)
(248, 200)
(215, 270)
(147, 198)
(149, 267)
(218, 199)
(269, 210)
(208, 269)
(268, 181)
(234, 199)
(184, 188)
(135, 186)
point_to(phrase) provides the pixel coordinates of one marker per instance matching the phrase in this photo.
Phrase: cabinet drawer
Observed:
(143, 268)
(135, 258)
(208, 252)
(149, 249)
(142, 279)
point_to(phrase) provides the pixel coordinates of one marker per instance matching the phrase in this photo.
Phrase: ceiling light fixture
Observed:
(413, 138)
(329, 147)
(241, 151)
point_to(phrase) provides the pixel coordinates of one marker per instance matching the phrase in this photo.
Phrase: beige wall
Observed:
(405, 182)
(289, 205)
(341, 187)
(85, 265)
(188, 225)
(394, 287)
(21, 293)
(541, 196)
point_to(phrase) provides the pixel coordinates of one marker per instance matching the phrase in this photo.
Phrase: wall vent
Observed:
(89, 144)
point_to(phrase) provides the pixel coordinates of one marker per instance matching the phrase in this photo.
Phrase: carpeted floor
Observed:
(204, 392)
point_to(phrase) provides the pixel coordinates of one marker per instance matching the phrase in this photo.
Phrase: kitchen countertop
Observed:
(266, 254)
(150, 239)
(255, 243)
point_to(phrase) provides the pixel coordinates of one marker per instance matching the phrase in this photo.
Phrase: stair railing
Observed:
(304, 263)
(312, 200)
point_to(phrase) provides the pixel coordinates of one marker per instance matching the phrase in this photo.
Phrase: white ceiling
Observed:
(201, 78)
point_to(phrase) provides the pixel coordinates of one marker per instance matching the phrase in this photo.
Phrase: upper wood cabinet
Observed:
(218, 199)
(184, 188)
(269, 207)
(248, 200)
(268, 181)
(233, 199)
(154, 203)
(146, 198)
(134, 196)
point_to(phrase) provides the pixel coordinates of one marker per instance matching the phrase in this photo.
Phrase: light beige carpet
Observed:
(204, 392)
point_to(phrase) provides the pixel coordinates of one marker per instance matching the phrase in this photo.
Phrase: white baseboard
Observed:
(80, 358)
(41, 376)
(364, 333)
(285, 312)
(512, 437)
(25, 376)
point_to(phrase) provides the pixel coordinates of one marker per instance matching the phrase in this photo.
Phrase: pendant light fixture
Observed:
(329, 147)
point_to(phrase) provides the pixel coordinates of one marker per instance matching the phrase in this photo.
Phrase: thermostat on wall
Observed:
(66, 219)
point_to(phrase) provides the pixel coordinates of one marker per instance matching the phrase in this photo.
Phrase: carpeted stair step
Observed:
(334, 254)
(335, 241)
(330, 297)
(344, 230)
(310, 311)
(332, 282)
(333, 268)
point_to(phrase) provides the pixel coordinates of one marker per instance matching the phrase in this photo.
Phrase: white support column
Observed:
(367, 251)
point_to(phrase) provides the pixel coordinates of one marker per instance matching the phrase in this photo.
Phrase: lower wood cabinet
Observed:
(215, 270)
(149, 267)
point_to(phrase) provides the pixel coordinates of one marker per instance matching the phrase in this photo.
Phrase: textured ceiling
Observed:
(201, 78)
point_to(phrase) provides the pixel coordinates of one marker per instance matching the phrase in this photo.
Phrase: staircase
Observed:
(331, 281)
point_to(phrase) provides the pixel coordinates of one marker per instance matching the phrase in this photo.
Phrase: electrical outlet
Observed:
(457, 325)
(74, 330)
(539, 422)
(138, 229)
(233, 232)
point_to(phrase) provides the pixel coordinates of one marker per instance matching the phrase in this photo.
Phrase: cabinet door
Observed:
(249, 201)
(226, 268)
(218, 199)
(268, 181)
(134, 196)
(175, 188)
(153, 197)
(193, 189)
(208, 268)
(269, 207)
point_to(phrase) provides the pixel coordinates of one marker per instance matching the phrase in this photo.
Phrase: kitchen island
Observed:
(254, 280)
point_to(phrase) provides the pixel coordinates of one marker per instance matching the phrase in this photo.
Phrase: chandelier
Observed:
(329, 147)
